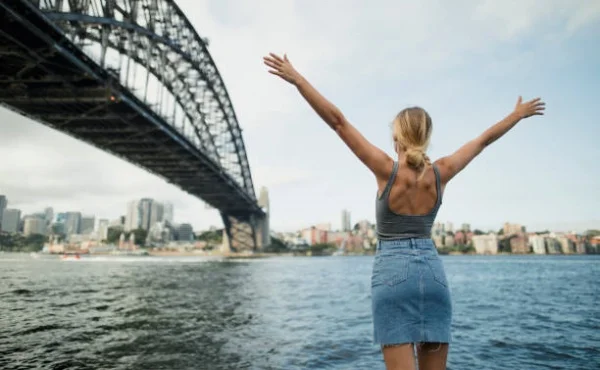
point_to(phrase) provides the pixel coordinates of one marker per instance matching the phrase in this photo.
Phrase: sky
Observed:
(465, 62)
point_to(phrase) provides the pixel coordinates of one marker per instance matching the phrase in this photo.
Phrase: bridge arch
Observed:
(156, 35)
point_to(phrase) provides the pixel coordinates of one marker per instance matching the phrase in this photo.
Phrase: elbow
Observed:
(484, 142)
(337, 120)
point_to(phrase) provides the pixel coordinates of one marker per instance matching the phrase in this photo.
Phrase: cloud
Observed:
(274, 176)
(587, 13)
(361, 54)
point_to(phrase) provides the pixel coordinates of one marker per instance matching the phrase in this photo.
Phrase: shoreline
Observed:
(242, 255)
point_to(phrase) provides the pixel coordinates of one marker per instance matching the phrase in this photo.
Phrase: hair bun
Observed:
(416, 158)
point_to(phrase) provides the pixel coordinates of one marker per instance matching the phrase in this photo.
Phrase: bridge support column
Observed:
(241, 235)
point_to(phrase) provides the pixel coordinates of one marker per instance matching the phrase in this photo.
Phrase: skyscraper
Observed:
(133, 217)
(143, 213)
(146, 212)
(72, 223)
(10, 220)
(185, 232)
(88, 224)
(102, 233)
(3, 203)
(168, 212)
(156, 213)
(346, 223)
(48, 215)
(61, 217)
(34, 226)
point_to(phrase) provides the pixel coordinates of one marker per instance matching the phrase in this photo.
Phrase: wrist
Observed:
(516, 116)
(298, 79)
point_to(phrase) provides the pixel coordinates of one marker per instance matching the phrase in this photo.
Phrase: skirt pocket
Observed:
(390, 270)
(437, 269)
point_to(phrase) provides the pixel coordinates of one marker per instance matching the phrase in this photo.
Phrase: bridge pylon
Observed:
(243, 234)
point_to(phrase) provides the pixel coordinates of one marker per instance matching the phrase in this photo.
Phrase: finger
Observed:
(276, 73)
(520, 100)
(272, 60)
(285, 58)
(277, 57)
(533, 101)
(272, 65)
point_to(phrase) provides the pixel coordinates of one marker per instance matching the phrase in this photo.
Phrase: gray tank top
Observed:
(391, 225)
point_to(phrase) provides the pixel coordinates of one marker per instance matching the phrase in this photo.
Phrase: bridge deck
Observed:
(45, 77)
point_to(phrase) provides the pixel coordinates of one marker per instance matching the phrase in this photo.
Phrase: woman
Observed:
(410, 297)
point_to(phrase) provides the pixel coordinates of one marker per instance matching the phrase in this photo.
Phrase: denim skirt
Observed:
(409, 293)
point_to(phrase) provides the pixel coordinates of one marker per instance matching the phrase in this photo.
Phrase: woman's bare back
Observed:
(411, 195)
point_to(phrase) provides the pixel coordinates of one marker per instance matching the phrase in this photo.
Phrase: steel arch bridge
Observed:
(133, 78)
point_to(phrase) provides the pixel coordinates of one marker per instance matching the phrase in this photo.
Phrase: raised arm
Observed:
(374, 158)
(451, 165)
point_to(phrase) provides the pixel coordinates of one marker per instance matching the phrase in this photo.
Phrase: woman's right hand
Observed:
(533, 107)
(282, 67)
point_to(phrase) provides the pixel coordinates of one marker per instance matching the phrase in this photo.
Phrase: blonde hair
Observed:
(412, 131)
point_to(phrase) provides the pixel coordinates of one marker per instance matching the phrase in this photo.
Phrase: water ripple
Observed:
(525, 312)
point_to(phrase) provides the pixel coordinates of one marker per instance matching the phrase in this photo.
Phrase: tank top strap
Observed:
(438, 185)
(388, 186)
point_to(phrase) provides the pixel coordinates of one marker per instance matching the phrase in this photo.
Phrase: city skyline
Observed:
(542, 50)
(347, 222)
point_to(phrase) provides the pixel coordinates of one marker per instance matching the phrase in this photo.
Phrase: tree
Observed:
(113, 235)
(139, 236)
(504, 246)
(277, 246)
(501, 231)
(322, 249)
(478, 232)
(214, 236)
(56, 229)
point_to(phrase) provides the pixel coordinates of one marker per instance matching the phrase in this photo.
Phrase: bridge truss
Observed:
(133, 78)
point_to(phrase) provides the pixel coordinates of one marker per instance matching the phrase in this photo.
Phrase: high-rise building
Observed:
(466, 227)
(185, 232)
(61, 217)
(72, 223)
(157, 211)
(102, 233)
(11, 219)
(145, 212)
(133, 218)
(3, 203)
(88, 224)
(48, 215)
(168, 212)
(346, 223)
(265, 231)
(34, 225)
(449, 227)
